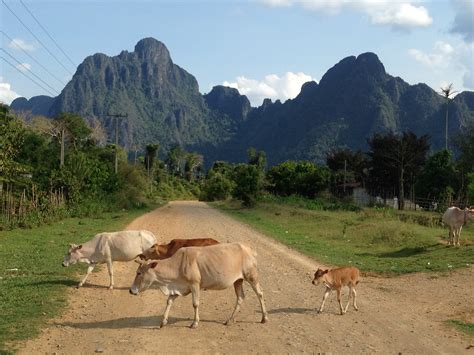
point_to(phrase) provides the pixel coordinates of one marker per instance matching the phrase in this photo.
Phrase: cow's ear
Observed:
(79, 246)
(153, 264)
(326, 271)
(141, 257)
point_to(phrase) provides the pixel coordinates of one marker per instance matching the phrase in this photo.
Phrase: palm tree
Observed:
(447, 92)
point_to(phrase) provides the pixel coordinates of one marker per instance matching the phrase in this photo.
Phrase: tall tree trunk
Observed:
(61, 160)
(401, 197)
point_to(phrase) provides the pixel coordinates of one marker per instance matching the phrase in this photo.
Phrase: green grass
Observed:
(33, 283)
(375, 240)
(467, 328)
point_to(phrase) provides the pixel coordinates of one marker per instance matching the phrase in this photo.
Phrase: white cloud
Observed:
(18, 43)
(445, 56)
(440, 57)
(7, 95)
(464, 21)
(399, 15)
(272, 86)
(24, 67)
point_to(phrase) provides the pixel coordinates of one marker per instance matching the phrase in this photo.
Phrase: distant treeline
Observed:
(52, 168)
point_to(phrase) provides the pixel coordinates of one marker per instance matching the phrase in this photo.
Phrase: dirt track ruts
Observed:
(403, 314)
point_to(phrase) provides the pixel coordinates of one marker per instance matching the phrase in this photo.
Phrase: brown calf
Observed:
(335, 279)
(165, 251)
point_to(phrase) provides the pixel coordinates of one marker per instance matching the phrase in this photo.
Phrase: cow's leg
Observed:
(326, 294)
(239, 292)
(169, 302)
(89, 270)
(458, 234)
(111, 273)
(258, 291)
(349, 299)
(338, 291)
(195, 289)
(354, 299)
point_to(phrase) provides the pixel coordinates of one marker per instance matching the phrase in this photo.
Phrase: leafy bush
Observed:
(216, 187)
(298, 177)
(249, 182)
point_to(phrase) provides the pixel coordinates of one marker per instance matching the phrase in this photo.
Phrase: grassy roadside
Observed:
(381, 241)
(33, 283)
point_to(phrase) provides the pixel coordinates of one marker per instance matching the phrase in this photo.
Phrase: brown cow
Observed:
(164, 251)
(335, 279)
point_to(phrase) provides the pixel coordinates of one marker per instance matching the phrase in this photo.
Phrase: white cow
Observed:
(455, 219)
(214, 267)
(109, 247)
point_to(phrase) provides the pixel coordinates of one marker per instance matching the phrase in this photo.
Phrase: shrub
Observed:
(249, 182)
(216, 187)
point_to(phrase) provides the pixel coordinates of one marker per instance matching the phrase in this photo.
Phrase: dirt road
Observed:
(396, 315)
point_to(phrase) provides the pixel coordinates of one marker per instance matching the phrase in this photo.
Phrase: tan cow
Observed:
(109, 247)
(164, 251)
(335, 279)
(455, 219)
(214, 267)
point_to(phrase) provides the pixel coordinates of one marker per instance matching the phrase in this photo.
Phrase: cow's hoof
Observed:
(227, 322)
(193, 325)
(320, 311)
(163, 324)
(79, 286)
(264, 320)
(111, 287)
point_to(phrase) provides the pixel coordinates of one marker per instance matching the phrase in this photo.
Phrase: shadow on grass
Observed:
(404, 252)
(54, 282)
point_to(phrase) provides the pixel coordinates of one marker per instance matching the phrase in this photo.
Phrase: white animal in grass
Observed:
(455, 219)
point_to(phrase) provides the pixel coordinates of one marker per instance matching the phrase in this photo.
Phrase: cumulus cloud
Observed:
(18, 43)
(24, 67)
(7, 95)
(272, 86)
(446, 56)
(464, 21)
(399, 15)
(439, 57)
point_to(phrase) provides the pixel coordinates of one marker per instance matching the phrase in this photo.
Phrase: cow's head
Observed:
(144, 276)
(318, 276)
(469, 213)
(73, 255)
(151, 253)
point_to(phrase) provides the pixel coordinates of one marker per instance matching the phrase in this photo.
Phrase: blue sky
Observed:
(265, 48)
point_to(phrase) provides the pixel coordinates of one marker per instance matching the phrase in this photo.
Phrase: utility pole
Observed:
(117, 117)
(447, 92)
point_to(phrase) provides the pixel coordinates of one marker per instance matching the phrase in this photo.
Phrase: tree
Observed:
(447, 92)
(193, 165)
(396, 160)
(11, 139)
(438, 176)
(257, 158)
(346, 167)
(71, 127)
(175, 160)
(151, 151)
(248, 184)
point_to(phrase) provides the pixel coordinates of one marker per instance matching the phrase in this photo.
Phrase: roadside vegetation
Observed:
(380, 240)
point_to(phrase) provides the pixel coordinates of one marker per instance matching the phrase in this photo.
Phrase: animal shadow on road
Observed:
(291, 310)
(152, 322)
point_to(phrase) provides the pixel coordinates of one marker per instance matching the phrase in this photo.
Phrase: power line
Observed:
(31, 32)
(36, 76)
(41, 86)
(33, 59)
(51, 38)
